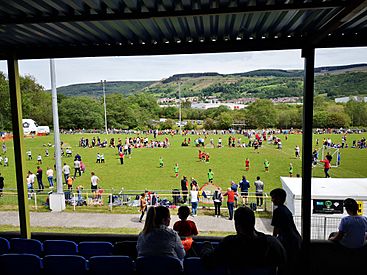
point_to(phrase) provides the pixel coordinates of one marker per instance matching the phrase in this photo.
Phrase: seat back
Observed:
(89, 249)
(63, 264)
(126, 248)
(28, 246)
(153, 265)
(4, 246)
(60, 247)
(195, 266)
(20, 264)
(109, 265)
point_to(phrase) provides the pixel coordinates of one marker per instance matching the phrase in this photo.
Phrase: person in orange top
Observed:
(326, 167)
(185, 228)
(230, 201)
(70, 182)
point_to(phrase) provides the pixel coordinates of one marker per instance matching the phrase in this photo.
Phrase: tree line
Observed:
(141, 111)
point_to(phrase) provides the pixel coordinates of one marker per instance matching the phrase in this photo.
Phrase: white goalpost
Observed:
(333, 152)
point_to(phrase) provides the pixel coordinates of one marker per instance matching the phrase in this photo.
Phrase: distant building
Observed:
(349, 98)
(204, 106)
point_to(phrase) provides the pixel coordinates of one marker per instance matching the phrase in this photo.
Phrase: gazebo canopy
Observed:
(76, 28)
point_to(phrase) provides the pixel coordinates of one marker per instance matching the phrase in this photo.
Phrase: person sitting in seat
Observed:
(157, 239)
(265, 250)
(352, 228)
(186, 229)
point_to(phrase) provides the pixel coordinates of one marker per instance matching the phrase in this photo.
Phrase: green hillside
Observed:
(267, 83)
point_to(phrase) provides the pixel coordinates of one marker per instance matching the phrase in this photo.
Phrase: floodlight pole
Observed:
(179, 106)
(104, 104)
(57, 200)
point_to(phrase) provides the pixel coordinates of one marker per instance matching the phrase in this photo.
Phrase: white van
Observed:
(30, 127)
(44, 130)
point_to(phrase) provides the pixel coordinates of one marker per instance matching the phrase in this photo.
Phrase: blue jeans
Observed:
(194, 206)
(50, 181)
(230, 206)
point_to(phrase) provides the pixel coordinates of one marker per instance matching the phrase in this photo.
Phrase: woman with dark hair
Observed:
(157, 239)
(352, 228)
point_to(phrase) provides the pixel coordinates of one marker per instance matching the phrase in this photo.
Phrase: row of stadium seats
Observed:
(55, 247)
(86, 249)
(20, 264)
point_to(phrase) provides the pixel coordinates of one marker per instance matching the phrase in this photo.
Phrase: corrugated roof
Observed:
(68, 28)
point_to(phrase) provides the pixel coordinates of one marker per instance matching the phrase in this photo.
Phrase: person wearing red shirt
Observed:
(326, 167)
(185, 228)
(121, 155)
(230, 201)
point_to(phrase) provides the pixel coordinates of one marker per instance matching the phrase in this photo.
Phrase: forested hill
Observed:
(95, 89)
(334, 81)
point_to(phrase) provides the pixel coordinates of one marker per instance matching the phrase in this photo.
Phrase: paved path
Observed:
(96, 220)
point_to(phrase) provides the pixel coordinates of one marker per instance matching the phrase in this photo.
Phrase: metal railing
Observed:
(112, 199)
(321, 226)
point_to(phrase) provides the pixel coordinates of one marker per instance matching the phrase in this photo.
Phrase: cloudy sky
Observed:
(82, 70)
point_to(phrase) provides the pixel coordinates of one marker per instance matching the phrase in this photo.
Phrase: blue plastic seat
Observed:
(90, 249)
(20, 264)
(60, 247)
(4, 246)
(111, 265)
(28, 246)
(63, 264)
(155, 265)
(125, 248)
(195, 266)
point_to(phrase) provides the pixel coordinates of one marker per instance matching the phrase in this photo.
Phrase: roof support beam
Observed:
(18, 140)
(350, 11)
(308, 94)
(87, 16)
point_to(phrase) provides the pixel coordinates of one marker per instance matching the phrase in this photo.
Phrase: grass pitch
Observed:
(142, 171)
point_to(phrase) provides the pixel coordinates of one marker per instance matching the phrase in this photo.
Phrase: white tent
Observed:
(324, 189)
(331, 190)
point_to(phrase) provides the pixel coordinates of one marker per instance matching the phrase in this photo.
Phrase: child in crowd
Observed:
(185, 228)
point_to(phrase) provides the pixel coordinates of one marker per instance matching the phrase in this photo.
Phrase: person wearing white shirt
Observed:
(50, 177)
(94, 182)
(66, 171)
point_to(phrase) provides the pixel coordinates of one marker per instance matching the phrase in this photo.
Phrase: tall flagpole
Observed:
(104, 104)
(179, 107)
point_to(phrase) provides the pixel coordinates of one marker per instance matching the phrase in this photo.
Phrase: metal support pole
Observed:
(18, 140)
(308, 94)
(57, 201)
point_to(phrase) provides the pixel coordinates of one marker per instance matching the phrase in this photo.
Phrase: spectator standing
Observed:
(194, 200)
(94, 180)
(1, 185)
(157, 239)
(66, 172)
(50, 177)
(259, 189)
(143, 206)
(230, 194)
(352, 228)
(32, 178)
(217, 198)
(39, 179)
(70, 182)
(244, 186)
(77, 167)
(184, 188)
(284, 228)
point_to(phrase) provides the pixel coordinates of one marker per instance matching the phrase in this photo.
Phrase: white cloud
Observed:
(80, 70)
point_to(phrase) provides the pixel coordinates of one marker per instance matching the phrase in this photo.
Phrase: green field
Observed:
(142, 171)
